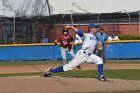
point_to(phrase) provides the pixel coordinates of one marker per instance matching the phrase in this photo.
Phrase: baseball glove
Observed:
(99, 46)
(55, 43)
(69, 47)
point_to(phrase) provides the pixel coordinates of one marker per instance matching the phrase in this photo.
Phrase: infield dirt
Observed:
(55, 84)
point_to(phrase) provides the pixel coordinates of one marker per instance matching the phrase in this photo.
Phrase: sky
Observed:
(10, 8)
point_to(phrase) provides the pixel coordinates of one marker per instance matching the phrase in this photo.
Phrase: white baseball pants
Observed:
(81, 58)
(63, 52)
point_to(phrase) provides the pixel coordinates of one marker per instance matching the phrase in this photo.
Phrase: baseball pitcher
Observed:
(84, 55)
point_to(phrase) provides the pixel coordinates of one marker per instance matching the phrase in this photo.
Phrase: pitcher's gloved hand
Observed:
(99, 46)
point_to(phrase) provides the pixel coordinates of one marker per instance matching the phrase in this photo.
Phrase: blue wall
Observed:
(31, 52)
(129, 50)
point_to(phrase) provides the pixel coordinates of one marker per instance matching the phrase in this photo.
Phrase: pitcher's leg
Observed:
(76, 61)
(73, 64)
(97, 60)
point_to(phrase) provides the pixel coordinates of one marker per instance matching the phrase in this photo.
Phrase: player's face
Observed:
(93, 30)
(65, 33)
(102, 30)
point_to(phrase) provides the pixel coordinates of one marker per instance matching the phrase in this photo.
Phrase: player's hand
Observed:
(68, 27)
(71, 27)
(55, 43)
(69, 47)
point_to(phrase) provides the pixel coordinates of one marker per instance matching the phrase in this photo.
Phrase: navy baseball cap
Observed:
(65, 30)
(93, 25)
(113, 34)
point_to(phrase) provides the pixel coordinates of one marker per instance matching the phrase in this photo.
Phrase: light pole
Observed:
(139, 21)
(71, 11)
(129, 19)
(65, 14)
(14, 30)
(71, 17)
(130, 25)
(98, 18)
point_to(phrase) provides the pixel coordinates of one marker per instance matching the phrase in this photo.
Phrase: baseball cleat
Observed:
(102, 78)
(47, 73)
(79, 67)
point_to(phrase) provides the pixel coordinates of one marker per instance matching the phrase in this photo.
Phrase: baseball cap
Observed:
(101, 28)
(65, 30)
(113, 34)
(93, 25)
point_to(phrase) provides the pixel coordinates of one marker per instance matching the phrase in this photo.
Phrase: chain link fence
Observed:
(30, 30)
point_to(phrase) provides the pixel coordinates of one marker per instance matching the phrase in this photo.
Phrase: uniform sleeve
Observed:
(97, 35)
(80, 33)
(76, 40)
(78, 37)
(58, 38)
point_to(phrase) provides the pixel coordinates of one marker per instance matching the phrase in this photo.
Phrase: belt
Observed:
(87, 53)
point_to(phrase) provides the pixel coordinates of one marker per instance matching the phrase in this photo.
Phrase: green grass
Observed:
(12, 63)
(115, 74)
(131, 74)
(19, 63)
(124, 61)
(21, 74)
(133, 91)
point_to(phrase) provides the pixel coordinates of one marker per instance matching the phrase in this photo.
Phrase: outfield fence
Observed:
(48, 51)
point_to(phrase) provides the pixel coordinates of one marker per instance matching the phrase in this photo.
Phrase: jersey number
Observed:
(92, 38)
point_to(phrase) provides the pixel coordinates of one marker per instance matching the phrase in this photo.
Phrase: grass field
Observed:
(135, 91)
(12, 63)
(18, 63)
(127, 74)
(132, 74)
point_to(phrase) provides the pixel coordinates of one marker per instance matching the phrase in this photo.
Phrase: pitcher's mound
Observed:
(64, 85)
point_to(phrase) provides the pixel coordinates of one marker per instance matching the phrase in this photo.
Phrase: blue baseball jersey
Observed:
(101, 37)
(44, 40)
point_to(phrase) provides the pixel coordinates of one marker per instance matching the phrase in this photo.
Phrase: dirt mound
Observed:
(63, 85)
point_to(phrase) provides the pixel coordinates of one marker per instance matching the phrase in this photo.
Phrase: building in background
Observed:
(27, 21)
